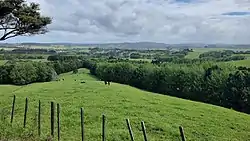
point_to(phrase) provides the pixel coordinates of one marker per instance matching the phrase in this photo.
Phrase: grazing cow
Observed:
(108, 81)
(82, 82)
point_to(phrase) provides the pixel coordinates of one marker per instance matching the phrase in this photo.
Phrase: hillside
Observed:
(162, 114)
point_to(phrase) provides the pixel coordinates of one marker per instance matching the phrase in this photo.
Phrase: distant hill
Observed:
(133, 45)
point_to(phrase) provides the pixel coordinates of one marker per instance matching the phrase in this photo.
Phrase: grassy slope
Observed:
(245, 63)
(198, 51)
(162, 114)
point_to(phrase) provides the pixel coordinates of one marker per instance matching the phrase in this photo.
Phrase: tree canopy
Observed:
(18, 18)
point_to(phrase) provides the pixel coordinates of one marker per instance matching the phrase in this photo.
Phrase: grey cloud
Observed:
(154, 20)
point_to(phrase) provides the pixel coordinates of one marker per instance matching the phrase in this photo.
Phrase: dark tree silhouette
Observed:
(18, 18)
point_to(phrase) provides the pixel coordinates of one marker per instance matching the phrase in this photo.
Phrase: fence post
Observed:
(130, 130)
(82, 123)
(25, 112)
(52, 111)
(183, 138)
(144, 131)
(103, 128)
(39, 118)
(13, 109)
(58, 122)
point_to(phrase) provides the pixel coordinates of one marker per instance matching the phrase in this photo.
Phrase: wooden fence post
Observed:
(103, 128)
(52, 111)
(39, 118)
(58, 122)
(144, 131)
(82, 123)
(25, 112)
(183, 138)
(13, 109)
(130, 130)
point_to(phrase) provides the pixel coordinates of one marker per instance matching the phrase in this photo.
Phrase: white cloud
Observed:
(166, 21)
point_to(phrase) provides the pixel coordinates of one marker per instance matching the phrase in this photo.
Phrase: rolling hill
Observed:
(162, 114)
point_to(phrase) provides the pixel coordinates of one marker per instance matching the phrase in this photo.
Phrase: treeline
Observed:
(178, 60)
(62, 58)
(22, 73)
(217, 54)
(32, 51)
(27, 72)
(242, 52)
(226, 55)
(20, 56)
(216, 84)
(63, 64)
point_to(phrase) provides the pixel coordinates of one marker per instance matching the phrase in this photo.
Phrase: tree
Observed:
(18, 18)
(237, 91)
(75, 71)
(135, 55)
(23, 73)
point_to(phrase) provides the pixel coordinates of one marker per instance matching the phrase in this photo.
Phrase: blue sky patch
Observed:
(236, 13)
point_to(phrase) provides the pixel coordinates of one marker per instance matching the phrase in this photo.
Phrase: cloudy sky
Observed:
(168, 21)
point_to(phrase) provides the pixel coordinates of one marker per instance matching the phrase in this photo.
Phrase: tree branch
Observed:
(19, 18)
(11, 36)
(7, 28)
(4, 37)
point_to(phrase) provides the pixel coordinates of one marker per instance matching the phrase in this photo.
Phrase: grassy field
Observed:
(244, 63)
(193, 55)
(246, 55)
(162, 114)
(198, 51)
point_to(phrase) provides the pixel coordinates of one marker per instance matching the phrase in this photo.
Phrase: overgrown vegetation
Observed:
(22, 73)
(20, 56)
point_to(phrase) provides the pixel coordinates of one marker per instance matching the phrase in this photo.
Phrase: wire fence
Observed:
(55, 113)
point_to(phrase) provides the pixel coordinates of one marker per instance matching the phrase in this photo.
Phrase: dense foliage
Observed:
(61, 58)
(216, 84)
(210, 56)
(22, 73)
(217, 54)
(26, 72)
(226, 55)
(19, 56)
(135, 56)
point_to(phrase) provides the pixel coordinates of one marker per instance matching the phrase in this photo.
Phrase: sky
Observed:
(166, 21)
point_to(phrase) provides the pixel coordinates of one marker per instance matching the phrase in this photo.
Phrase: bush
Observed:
(135, 56)
(75, 71)
(22, 73)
